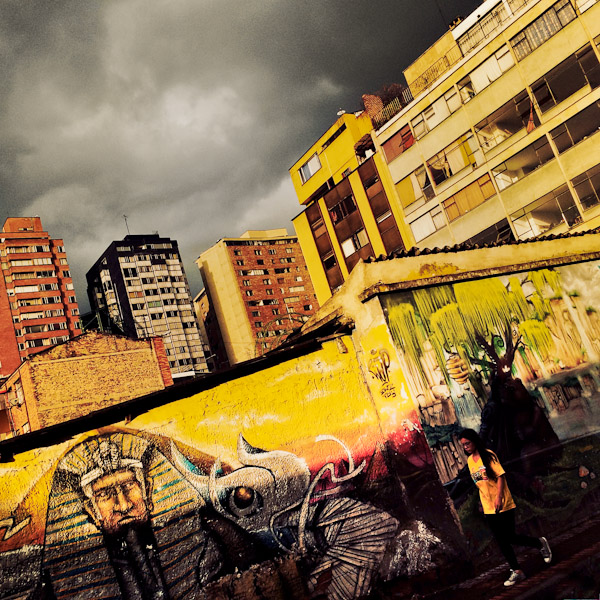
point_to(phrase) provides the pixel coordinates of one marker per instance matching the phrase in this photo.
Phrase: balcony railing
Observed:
(436, 70)
(393, 108)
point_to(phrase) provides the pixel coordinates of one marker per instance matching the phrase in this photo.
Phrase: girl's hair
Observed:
(487, 457)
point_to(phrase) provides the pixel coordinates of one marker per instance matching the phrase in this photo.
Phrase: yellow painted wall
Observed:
(311, 256)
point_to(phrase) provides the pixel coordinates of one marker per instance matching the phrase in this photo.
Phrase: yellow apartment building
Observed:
(500, 140)
(349, 207)
(495, 141)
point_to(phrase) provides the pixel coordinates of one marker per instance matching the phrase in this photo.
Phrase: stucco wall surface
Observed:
(304, 478)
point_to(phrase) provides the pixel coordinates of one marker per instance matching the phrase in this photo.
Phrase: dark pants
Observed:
(503, 528)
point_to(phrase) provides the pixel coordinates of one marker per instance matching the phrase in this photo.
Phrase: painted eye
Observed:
(244, 501)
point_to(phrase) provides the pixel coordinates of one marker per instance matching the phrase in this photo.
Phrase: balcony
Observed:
(435, 71)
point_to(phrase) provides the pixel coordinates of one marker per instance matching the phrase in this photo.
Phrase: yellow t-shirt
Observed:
(488, 489)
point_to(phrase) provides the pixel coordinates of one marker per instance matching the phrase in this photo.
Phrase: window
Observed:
(24, 289)
(485, 74)
(249, 293)
(272, 251)
(587, 187)
(547, 212)
(290, 259)
(355, 242)
(258, 324)
(433, 115)
(256, 313)
(260, 261)
(504, 122)
(580, 69)
(469, 197)
(428, 223)
(584, 124)
(483, 28)
(422, 184)
(307, 307)
(522, 163)
(341, 210)
(275, 311)
(267, 281)
(299, 288)
(329, 261)
(289, 250)
(309, 168)
(246, 282)
(255, 272)
(269, 292)
(239, 262)
(542, 29)
(334, 136)
(129, 272)
(258, 252)
(454, 158)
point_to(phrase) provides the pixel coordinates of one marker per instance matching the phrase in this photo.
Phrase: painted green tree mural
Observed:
(484, 321)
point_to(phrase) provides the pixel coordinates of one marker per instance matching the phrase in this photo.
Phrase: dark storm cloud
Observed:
(186, 115)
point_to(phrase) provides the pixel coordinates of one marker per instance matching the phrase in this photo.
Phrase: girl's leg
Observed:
(500, 525)
(517, 538)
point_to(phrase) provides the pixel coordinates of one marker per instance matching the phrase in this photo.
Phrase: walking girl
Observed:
(498, 504)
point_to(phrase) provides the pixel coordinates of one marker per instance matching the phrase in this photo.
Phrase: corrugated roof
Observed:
(415, 251)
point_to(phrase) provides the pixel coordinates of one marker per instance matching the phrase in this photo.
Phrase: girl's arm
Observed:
(500, 494)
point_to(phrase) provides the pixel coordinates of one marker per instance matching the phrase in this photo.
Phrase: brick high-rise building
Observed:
(38, 307)
(140, 282)
(259, 288)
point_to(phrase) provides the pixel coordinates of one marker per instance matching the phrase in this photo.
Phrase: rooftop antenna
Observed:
(126, 224)
(440, 11)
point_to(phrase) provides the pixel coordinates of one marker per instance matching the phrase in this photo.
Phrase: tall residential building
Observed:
(350, 209)
(497, 140)
(140, 282)
(501, 140)
(260, 290)
(38, 307)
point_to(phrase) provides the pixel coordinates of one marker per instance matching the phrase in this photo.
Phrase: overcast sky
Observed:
(184, 115)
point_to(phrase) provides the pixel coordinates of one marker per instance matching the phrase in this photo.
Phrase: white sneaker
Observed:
(545, 550)
(515, 577)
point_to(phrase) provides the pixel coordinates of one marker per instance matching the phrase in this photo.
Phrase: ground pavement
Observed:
(573, 574)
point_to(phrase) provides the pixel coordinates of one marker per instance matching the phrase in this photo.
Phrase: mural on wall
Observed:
(515, 357)
(152, 528)
(231, 493)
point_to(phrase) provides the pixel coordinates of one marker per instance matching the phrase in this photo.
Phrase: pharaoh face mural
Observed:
(131, 516)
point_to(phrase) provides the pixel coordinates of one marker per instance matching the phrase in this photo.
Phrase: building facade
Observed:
(494, 140)
(500, 141)
(38, 307)
(85, 374)
(348, 199)
(259, 288)
(216, 355)
(140, 282)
